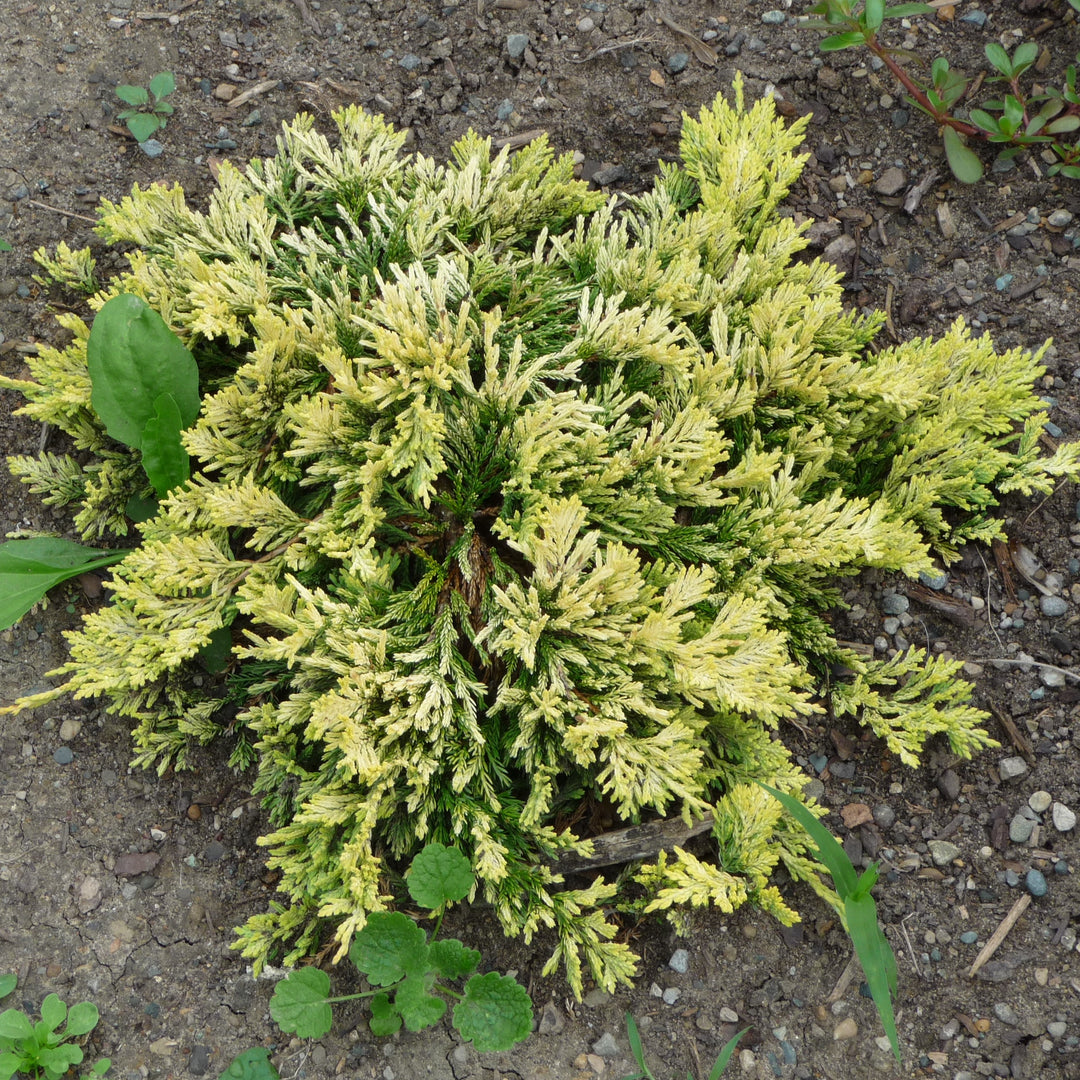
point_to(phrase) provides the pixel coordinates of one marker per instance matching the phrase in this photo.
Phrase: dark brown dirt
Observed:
(150, 947)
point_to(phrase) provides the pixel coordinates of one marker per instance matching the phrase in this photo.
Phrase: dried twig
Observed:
(518, 140)
(1019, 739)
(1000, 933)
(844, 981)
(915, 194)
(615, 46)
(61, 210)
(697, 46)
(259, 88)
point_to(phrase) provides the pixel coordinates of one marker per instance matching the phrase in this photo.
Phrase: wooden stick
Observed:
(1000, 933)
(844, 981)
(633, 843)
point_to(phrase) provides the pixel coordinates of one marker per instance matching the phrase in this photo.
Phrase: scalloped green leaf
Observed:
(53, 1012)
(389, 947)
(439, 875)
(385, 1019)
(299, 1003)
(451, 959)
(253, 1064)
(419, 1007)
(496, 1012)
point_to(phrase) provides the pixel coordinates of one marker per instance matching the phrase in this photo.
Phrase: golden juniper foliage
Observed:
(509, 501)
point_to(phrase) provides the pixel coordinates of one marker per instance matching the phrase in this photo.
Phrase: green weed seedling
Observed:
(396, 955)
(253, 1064)
(43, 1049)
(4, 245)
(858, 910)
(149, 109)
(145, 391)
(639, 1054)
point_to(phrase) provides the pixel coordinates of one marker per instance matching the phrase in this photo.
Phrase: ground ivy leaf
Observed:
(299, 1003)
(253, 1064)
(451, 959)
(385, 1019)
(419, 1007)
(388, 947)
(439, 875)
(495, 1013)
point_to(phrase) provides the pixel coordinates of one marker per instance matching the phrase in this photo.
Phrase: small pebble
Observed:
(1063, 818)
(895, 604)
(152, 148)
(1059, 219)
(63, 756)
(943, 852)
(1010, 768)
(1006, 1014)
(677, 62)
(410, 61)
(1056, 1029)
(1040, 801)
(680, 961)
(586, 25)
(976, 18)
(1053, 606)
(1035, 883)
(606, 1046)
(516, 44)
(69, 729)
(671, 995)
(1020, 829)
(846, 1030)
(969, 937)
(774, 17)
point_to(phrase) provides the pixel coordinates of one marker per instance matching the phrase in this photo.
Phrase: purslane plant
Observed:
(1044, 117)
(504, 505)
(45, 1049)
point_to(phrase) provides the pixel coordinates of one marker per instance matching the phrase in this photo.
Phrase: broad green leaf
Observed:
(385, 1019)
(82, 1019)
(7, 984)
(965, 166)
(53, 1013)
(299, 1003)
(999, 58)
(162, 84)
(142, 125)
(253, 1064)
(140, 508)
(419, 1007)
(1064, 123)
(133, 358)
(1024, 55)
(9, 1065)
(451, 959)
(388, 947)
(1071, 171)
(878, 963)
(439, 875)
(29, 568)
(15, 1025)
(901, 11)
(832, 854)
(133, 95)
(163, 108)
(939, 71)
(874, 13)
(495, 1013)
(725, 1054)
(163, 455)
(841, 41)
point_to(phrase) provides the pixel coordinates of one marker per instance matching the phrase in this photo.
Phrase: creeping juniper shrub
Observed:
(504, 504)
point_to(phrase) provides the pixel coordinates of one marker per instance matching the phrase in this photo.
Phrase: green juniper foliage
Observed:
(509, 502)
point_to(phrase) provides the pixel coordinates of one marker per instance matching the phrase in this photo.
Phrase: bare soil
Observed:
(148, 939)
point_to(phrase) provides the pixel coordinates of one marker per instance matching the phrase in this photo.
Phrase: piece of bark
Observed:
(633, 844)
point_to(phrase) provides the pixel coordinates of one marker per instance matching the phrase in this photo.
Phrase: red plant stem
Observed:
(919, 95)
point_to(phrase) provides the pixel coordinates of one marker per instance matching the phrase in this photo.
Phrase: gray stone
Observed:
(1056, 1029)
(63, 756)
(595, 998)
(1064, 819)
(948, 783)
(671, 995)
(1053, 606)
(1020, 829)
(884, 816)
(1035, 883)
(680, 961)
(942, 852)
(1006, 1014)
(199, 1060)
(774, 17)
(1048, 676)
(677, 62)
(606, 1046)
(552, 1020)
(891, 181)
(410, 62)
(506, 107)
(152, 148)
(1040, 801)
(613, 173)
(1059, 219)
(516, 44)
(586, 25)
(895, 604)
(1011, 768)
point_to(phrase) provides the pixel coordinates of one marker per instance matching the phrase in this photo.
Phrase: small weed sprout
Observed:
(44, 1049)
(149, 109)
(637, 1050)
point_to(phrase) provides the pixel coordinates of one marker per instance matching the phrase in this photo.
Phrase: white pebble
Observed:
(1064, 819)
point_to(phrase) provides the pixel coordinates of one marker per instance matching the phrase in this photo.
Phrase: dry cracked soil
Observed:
(121, 887)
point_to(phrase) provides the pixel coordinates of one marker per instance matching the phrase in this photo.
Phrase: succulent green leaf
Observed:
(253, 1064)
(134, 358)
(1024, 55)
(142, 125)
(732, 1044)
(451, 959)
(1064, 124)
(7, 984)
(389, 946)
(82, 1019)
(419, 1007)
(162, 84)
(999, 58)
(53, 1012)
(495, 1013)
(163, 455)
(15, 1025)
(985, 121)
(133, 95)
(385, 1019)
(439, 875)
(4, 245)
(299, 1003)
(963, 162)
(30, 567)
(837, 42)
